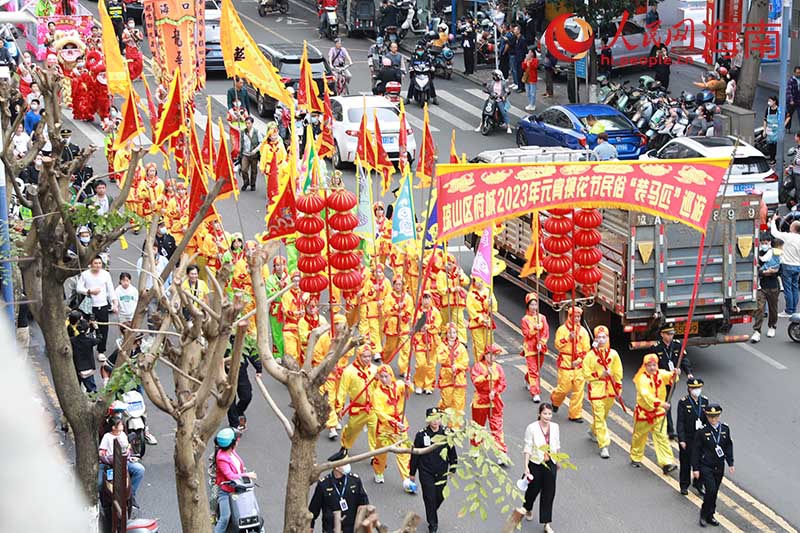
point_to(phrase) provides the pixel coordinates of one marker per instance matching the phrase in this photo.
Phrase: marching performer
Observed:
(331, 385)
(274, 283)
(432, 270)
(602, 368)
(377, 289)
(176, 211)
(535, 333)
(572, 343)
(651, 405)
(356, 385)
(411, 272)
(272, 148)
(149, 192)
(481, 305)
(489, 380)
(310, 321)
(292, 309)
(389, 398)
(452, 283)
(454, 361)
(425, 344)
(383, 233)
(398, 309)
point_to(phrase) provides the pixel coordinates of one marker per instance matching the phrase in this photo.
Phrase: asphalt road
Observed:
(755, 384)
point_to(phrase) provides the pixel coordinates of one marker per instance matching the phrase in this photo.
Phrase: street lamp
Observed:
(786, 23)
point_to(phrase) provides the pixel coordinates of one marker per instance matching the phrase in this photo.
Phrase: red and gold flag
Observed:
(172, 121)
(198, 191)
(402, 141)
(427, 153)
(307, 91)
(281, 215)
(382, 162)
(365, 148)
(453, 152)
(223, 169)
(131, 125)
(326, 143)
(207, 150)
(236, 142)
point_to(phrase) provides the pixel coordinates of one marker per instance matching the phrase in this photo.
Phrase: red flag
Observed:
(326, 147)
(365, 149)
(223, 169)
(427, 153)
(207, 151)
(272, 179)
(453, 152)
(402, 141)
(131, 125)
(172, 118)
(197, 195)
(281, 218)
(151, 108)
(307, 91)
(382, 162)
(235, 142)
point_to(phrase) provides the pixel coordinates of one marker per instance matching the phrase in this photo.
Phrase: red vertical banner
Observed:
(732, 14)
(711, 34)
(176, 35)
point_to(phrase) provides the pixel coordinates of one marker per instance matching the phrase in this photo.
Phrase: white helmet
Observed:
(497, 75)
(442, 27)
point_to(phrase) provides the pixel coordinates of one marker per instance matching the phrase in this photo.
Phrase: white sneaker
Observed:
(537, 398)
(548, 529)
(418, 390)
(428, 391)
(782, 314)
(529, 516)
(477, 129)
(530, 107)
(150, 439)
(338, 425)
(604, 452)
(771, 332)
(591, 435)
(755, 337)
(508, 130)
(333, 434)
(379, 479)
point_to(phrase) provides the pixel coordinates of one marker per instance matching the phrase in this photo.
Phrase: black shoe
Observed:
(435, 101)
(341, 454)
(433, 529)
(684, 491)
(702, 522)
(520, 91)
(636, 464)
(576, 420)
(668, 468)
(252, 187)
(555, 409)
(134, 503)
(408, 101)
(700, 489)
(713, 521)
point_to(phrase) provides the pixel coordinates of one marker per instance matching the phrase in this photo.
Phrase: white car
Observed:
(347, 112)
(750, 170)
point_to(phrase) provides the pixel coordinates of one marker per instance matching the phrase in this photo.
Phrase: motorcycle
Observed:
(138, 525)
(330, 26)
(491, 117)
(666, 124)
(412, 22)
(392, 91)
(442, 57)
(794, 327)
(422, 83)
(10, 44)
(362, 18)
(270, 7)
(790, 187)
(135, 422)
(245, 513)
(390, 35)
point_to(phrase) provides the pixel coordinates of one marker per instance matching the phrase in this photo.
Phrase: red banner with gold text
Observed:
(473, 195)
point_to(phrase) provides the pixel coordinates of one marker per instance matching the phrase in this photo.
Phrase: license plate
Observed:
(388, 139)
(743, 187)
(680, 328)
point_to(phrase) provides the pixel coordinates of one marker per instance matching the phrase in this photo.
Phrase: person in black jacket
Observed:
(691, 419)
(83, 355)
(166, 242)
(468, 45)
(432, 467)
(341, 490)
(668, 351)
(244, 390)
(713, 448)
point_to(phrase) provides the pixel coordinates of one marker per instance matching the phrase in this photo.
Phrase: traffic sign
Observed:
(580, 68)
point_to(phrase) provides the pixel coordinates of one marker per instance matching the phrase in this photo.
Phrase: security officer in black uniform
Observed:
(713, 448)
(341, 490)
(691, 419)
(432, 467)
(668, 351)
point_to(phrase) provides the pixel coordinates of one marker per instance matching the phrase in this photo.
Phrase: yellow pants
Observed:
(390, 347)
(454, 314)
(330, 387)
(403, 459)
(569, 381)
(292, 346)
(354, 426)
(641, 428)
(600, 409)
(480, 338)
(425, 373)
(370, 328)
(453, 397)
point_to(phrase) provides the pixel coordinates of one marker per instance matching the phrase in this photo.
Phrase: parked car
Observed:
(347, 112)
(214, 59)
(565, 125)
(286, 58)
(750, 170)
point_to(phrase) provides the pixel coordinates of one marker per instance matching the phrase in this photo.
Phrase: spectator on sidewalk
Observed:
(536, 10)
(128, 297)
(652, 17)
(792, 97)
(238, 92)
(83, 355)
(518, 54)
(769, 266)
(790, 263)
(606, 58)
(504, 45)
(32, 117)
(549, 64)
(96, 284)
(771, 124)
(662, 66)
(731, 77)
(166, 242)
(468, 44)
(530, 76)
(251, 142)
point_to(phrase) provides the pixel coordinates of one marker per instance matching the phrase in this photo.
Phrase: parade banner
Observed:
(471, 196)
(176, 33)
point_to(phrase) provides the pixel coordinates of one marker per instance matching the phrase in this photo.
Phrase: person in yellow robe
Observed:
(149, 192)
(176, 212)
(648, 417)
(356, 387)
(535, 334)
(452, 284)
(331, 385)
(383, 233)
(272, 148)
(398, 310)
(389, 398)
(376, 289)
(293, 309)
(310, 321)
(411, 271)
(454, 362)
(425, 344)
(481, 305)
(602, 369)
(572, 343)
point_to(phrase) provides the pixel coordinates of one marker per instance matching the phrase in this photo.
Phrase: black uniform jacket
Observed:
(671, 353)
(704, 452)
(432, 463)
(688, 410)
(326, 500)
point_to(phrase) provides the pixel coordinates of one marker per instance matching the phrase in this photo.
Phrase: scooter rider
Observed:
(321, 5)
(498, 87)
(339, 58)
(229, 467)
(389, 15)
(421, 57)
(386, 74)
(375, 56)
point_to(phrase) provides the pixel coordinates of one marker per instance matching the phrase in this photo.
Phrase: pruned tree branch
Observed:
(395, 448)
(274, 406)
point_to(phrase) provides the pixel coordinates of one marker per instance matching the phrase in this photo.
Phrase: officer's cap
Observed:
(713, 409)
(66, 132)
(430, 411)
(669, 328)
(694, 383)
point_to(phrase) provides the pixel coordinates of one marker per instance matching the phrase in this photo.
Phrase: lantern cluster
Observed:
(348, 278)
(311, 262)
(558, 261)
(586, 255)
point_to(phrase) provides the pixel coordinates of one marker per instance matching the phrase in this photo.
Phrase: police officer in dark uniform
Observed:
(117, 12)
(713, 448)
(668, 351)
(691, 419)
(341, 490)
(432, 467)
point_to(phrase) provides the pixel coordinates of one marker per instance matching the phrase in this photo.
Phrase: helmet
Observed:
(688, 98)
(430, 34)
(84, 229)
(486, 24)
(225, 437)
(480, 16)
(704, 97)
(419, 50)
(117, 406)
(442, 27)
(386, 62)
(711, 107)
(602, 80)
(497, 75)
(379, 41)
(645, 81)
(711, 74)
(723, 71)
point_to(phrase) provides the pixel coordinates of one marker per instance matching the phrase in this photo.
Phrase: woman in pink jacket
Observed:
(230, 467)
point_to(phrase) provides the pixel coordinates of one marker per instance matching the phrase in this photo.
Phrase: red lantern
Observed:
(341, 200)
(587, 256)
(559, 285)
(309, 244)
(347, 281)
(314, 284)
(311, 264)
(311, 203)
(561, 212)
(345, 241)
(588, 275)
(558, 225)
(587, 218)
(310, 225)
(557, 264)
(345, 261)
(587, 238)
(558, 244)
(343, 221)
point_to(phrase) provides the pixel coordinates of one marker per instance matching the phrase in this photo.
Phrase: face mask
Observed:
(131, 26)
(345, 469)
(314, 120)
(162, 231)
(37, 164)
(85, 240)
(764, 248)
(34, 107)
(67, 140)
(696, 392)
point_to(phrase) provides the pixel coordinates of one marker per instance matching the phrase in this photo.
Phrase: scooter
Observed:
(442, 61)
(245, 513)
(331, 23)
(794, 327)
(391, 35)
(270, 7)
(10, 44)
(491, 117)
(422, 84)
(135, 422)
(412, 22)
(392, 91)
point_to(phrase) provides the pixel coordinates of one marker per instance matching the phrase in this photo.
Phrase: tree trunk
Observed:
(74, 403)
(190, 476)
(303, 456)
(751, 66)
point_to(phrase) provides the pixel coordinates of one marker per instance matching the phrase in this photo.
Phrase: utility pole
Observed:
(786, 29)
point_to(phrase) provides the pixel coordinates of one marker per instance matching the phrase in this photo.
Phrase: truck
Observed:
(648, 265)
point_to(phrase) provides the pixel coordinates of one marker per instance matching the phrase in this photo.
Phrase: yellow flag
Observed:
(116, 66)
(244, 59)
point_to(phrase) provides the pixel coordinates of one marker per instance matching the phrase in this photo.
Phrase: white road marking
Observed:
(459, 249)
(259, 124)
(88, 129)
(417, 122)
(450, 117)
(767, 359)
(517, 112)
(461, 104)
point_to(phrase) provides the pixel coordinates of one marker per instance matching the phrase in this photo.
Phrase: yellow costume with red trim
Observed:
(311, 320)
(389, 405)
(411, 273)
(176, 212)
(331, 385)
(293, 309)
(149, 192)
(425, 344)
(356, 385)
(648, 417)
(571, 352)
(269, 150)
(481, 321)
(383, 235)
(454, 363)
(602, 369)
(398, 310)
(489, 378)
(431, 274)
(451, 284)
(374, 292)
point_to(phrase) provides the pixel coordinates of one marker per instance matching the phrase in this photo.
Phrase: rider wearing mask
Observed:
(375, 56)
(389, 15)
(229, 467)
(498, 88)
(421, 57)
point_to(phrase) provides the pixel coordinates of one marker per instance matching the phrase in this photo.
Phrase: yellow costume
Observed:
(383, 233)
(355, 385)
(375, 290)
(389, 404)
(311, 320)
(651, 393)
(293, 309)
(425, 344)
(269, 150)
(571, 352)
(452, 283)
(454, 362)
(331, 385)
(176, 212)
(603, 389)
(411, 269)
(480, 313)
(398, 310)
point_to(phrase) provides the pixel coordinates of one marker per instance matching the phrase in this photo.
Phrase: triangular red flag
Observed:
(223, 169)
(197, 195)
(402, 140)
(235, 142)
(207, 150)
(281, 221)
(453, 153)
(272, 179)
(151, 107)
(172, 118)
(382, 162)
(427, 153)
(365, 148)
(307, 91)
(131, 125)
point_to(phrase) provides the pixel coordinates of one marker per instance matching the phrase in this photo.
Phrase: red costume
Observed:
(490, 381)
(535, 333)
(96, 98)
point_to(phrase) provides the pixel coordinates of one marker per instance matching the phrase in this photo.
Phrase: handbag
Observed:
(525, 77)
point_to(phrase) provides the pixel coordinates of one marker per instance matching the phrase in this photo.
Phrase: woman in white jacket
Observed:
(541, 439)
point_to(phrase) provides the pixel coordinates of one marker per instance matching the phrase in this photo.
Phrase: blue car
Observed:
(565, 126)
